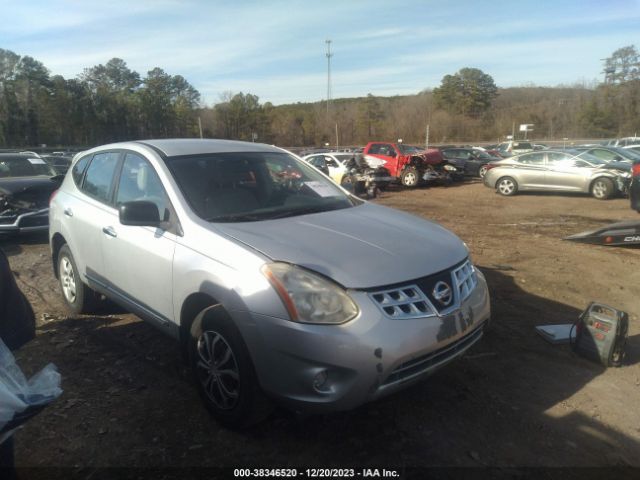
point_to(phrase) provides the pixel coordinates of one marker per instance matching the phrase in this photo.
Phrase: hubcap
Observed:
(599, 189)
(482, 172)
(410, 178)
(506, 187)
(67, 280)
(217, 370)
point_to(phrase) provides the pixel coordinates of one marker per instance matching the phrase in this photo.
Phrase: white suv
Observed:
(277, 282)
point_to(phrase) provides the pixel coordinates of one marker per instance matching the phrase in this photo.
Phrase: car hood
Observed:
(360, 247)
(17, 185)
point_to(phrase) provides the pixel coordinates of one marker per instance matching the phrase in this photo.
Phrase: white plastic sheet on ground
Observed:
(17, 393)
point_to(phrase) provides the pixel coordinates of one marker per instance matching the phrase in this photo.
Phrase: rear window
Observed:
(24, 167)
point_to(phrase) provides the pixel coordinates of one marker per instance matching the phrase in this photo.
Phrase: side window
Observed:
(532, 159)
(375, 149)
(139, 181)
(604, 154)
(99, 176)
(78, 169)
(557, 159)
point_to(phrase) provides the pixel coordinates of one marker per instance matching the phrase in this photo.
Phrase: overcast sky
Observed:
(276, 49)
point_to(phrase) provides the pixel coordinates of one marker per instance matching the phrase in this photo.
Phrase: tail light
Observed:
(635, 170)
(53, 195)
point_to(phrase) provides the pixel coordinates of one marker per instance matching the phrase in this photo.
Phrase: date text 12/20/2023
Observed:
(316, 472)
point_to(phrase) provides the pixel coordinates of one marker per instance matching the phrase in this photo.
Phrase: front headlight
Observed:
(450, 168)
(308, 297)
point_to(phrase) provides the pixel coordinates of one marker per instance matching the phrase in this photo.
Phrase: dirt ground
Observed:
(513, 400)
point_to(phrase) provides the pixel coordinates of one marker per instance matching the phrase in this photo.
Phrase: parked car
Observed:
(277, 283)
(410, 165)
(472, 161)
(609, 154)
(26, 183)
(514, 147)
(553, 170)
(335, 163)
(623, 142)
(60, 163)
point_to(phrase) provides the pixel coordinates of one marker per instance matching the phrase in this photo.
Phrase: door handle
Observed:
(109, 231)
(68, 212)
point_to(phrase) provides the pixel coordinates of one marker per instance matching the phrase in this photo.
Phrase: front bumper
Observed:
(324, 368)
(35, 221)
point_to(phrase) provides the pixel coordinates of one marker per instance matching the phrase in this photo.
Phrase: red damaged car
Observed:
(410, 165)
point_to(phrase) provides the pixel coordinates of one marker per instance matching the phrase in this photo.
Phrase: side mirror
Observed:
(140, 213)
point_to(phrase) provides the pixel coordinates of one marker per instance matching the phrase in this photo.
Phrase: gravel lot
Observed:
(513, 400)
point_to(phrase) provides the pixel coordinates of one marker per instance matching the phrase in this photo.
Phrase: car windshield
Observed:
(627, 153)
(252, 186)
(408, 149)
(25, 167)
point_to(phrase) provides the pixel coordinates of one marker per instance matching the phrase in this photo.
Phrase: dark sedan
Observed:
(471, 160)
(26, 184)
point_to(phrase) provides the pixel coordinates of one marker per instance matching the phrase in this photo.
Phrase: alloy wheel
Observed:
(68, 280)
(506, 186)
(217, 370)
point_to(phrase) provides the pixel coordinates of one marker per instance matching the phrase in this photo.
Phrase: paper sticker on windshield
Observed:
(322, 189)
(36, 161)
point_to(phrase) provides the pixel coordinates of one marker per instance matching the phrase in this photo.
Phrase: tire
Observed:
(229, 388)
(506, 186)
(78, 296)
(410, 177)
(602, 188)
(482, 171)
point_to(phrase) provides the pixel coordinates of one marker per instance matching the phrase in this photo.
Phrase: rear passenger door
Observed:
(87, 213)
(531, 169)
(139, 260)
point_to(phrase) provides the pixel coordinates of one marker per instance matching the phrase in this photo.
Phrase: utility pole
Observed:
(200, 126)
(329, 55)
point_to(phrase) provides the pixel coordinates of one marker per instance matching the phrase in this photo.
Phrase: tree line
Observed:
(111, 102)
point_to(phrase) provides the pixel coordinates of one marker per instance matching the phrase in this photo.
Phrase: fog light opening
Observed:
(320, 381)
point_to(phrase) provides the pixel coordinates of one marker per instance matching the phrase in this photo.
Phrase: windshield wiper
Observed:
(235, 217)
(300, 211)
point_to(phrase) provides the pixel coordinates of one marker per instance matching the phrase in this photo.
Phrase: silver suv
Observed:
(278, 284)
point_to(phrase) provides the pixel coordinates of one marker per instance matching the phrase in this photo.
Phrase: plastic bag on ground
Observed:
(17, 393)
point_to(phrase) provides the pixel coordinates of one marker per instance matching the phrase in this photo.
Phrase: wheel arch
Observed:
(191, 307)
(611, 179)
(57, 241)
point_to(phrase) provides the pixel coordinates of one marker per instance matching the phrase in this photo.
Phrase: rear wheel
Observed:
(602, 188)
(506, 186)
(224, 372)
(409, 177)
(482, 171)
(78, 296)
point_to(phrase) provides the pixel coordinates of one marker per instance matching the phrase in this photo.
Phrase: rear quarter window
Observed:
(78, 170)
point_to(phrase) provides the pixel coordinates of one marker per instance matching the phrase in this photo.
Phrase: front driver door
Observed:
(139, 260)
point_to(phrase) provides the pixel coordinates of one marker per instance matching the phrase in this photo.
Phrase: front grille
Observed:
(402, 303)
(419, 365)
(419, 298)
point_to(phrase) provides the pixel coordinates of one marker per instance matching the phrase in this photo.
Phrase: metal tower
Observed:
(329, 55)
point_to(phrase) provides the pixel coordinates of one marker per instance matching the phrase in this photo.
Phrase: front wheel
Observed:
(78, 296)
(410, 177)
(602, 188)
(482, 171)
(224, 372)
(506, 186)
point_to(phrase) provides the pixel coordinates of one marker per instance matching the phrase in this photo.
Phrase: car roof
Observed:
(173, 147)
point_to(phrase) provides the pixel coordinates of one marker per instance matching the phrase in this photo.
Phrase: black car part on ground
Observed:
(615, 234)
(634, 187)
